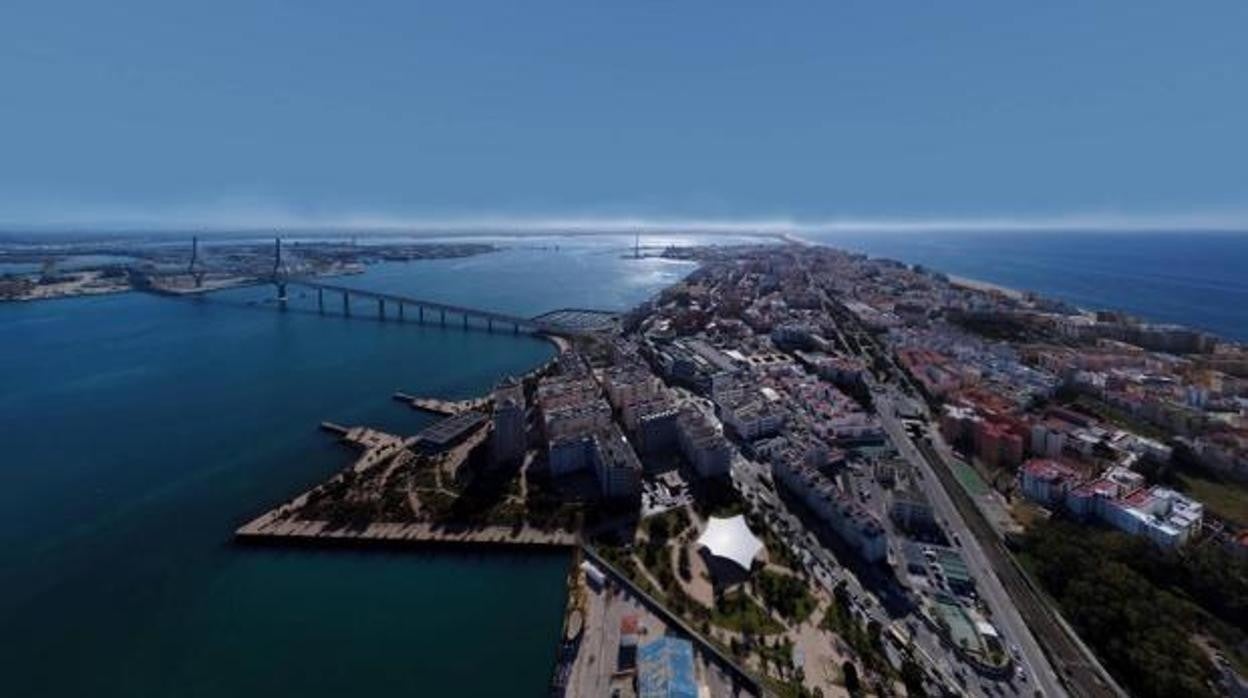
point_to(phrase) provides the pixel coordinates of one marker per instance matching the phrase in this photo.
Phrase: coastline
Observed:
(954, 279)
(985, 286)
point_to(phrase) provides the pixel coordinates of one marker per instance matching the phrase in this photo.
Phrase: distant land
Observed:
(1188, 277)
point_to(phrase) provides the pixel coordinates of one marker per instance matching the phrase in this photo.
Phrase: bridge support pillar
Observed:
(381, 308)
(465, 321)
(489, 324)
(420, 314)
(515, 328)
(400, 311)
(320, 300)
(444, 318)
(346, 303)
(281, 294)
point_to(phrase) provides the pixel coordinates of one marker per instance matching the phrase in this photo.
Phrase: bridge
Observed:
(400, 306)
(564, 321)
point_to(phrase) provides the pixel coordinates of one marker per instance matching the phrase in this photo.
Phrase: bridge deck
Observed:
(428, 305)
(563, 321)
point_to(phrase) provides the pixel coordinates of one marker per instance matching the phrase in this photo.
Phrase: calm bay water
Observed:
(139, 431)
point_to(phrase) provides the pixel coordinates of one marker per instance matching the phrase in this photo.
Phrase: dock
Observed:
(439, 406)
(268, 530)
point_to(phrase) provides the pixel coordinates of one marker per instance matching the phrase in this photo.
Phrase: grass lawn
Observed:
(739, 612)
(1225, 500)
(788, 595)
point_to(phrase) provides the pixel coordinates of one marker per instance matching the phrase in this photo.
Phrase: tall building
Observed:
(703, 446)
(857, 527)
(606, 452)
(616, 465)
(509, 438)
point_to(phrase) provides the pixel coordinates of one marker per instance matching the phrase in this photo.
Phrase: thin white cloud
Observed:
(248, 216)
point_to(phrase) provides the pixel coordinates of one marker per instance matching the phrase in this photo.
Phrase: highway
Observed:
(1012, 598)
(988, 585)
(947, 673)
(1084, 675)
(939, 660)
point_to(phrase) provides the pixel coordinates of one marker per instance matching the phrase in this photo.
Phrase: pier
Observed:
(438, 406)
(401, 534)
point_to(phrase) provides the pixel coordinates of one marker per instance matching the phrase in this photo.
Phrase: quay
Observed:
(266, 530)
(446, 408)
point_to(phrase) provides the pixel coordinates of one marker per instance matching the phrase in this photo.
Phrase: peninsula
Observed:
(806, 472)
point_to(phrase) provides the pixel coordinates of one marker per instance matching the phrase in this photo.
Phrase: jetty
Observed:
(298, 531)
(439, 406)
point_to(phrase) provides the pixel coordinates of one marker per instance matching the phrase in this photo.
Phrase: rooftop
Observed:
(732, 540)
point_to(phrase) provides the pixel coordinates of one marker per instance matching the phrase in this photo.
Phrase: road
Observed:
(940, 661)
(986, 555)
(988, 585)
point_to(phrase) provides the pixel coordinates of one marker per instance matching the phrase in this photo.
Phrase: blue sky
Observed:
(155, 113)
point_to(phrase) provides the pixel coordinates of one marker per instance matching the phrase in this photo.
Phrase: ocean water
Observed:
(1192, 278)
(140, 431)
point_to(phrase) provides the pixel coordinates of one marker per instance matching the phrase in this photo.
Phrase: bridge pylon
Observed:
(280, 272)
(195, 268)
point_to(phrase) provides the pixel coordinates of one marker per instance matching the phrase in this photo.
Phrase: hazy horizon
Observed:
(158, 222)
(554, 114)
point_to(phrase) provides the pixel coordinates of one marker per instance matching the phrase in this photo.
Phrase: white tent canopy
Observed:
(731, 539)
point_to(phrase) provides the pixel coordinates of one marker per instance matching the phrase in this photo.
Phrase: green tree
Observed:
(912, 677)
(850, 674)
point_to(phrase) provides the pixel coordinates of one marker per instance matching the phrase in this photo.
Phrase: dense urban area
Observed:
(841, 393)
(805, 472)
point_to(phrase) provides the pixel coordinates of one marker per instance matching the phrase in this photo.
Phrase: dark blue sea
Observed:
(1193, 278)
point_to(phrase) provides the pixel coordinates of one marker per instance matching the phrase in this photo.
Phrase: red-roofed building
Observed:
(1090, 498)
(1047, 481)
(997, 444)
